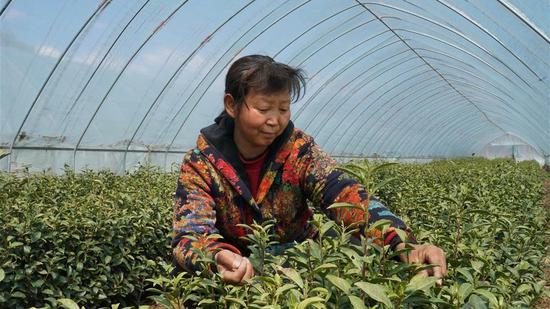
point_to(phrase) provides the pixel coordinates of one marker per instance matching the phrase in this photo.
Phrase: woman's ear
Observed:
(229, 105)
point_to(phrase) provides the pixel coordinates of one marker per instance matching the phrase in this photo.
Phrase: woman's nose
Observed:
(272, 120)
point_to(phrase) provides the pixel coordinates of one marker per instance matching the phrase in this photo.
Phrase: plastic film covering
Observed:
(512, 147)
(114, 84)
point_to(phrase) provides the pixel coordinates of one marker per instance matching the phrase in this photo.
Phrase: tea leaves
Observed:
(95, 239)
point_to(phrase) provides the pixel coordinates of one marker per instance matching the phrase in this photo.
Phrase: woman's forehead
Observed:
(275, 97)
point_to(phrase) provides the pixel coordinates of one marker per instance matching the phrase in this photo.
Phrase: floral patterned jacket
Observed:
(212, 194)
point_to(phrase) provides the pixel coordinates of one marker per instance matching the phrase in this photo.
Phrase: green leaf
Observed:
(344, 205)
(476, 302)
(477, 266)
(315, 250)
(379, 224)
(15, 244)
(324, 266)
(2, 274)
(523, 288)
(523, 265)
(284, 288)
(356, 302)
(293, 275)
(190, 237)
(350, 170)
(402, 234)
(381, 184)
(206, 301)
(214, 236)
(465, 290)
(161, 300)
(38, 283)
(326, 226)
(452, 200)
(420, 282)
(309, 301)
(18, 294)
(340, 283)
(35, 236)
(68, 303)
(466, 274)
(383, 166)
(376, 292)
(488, 295)
(235, 300)
(319, 290)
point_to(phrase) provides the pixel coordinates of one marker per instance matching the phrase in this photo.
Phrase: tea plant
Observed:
(96, 238)
(492, 232)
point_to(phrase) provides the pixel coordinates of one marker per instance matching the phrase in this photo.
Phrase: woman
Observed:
(252, 164)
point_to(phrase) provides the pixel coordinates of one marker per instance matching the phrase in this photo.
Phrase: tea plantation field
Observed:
(97, 239)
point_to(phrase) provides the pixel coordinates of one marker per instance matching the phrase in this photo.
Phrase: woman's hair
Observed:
(264, 75)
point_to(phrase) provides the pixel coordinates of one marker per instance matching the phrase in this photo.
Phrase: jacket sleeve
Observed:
(194, 216)
(325, 185)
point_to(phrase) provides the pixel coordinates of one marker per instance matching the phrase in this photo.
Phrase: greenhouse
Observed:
(116, 84)
(439, 109)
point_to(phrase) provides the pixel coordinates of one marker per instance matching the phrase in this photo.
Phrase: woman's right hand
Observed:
(234, 268)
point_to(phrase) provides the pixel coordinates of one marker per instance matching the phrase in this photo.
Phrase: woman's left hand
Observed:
(426, 254)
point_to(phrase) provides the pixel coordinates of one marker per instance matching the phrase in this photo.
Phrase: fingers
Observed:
(428, 254)
(424, 273)
(413, 256)
(403, 256)
(234, 268)
(237, 262)
(436, 271)
(227, 259)
(443, 263)
(249, 270)
(436, 256)
(235, 276)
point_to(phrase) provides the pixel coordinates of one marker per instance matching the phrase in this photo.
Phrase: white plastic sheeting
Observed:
(512, 147)
(113, 84)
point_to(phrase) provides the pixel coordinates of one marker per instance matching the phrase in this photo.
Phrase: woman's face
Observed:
(259, 120)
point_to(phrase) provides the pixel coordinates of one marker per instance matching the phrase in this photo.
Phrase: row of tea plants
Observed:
(97, 239)
(93, 237)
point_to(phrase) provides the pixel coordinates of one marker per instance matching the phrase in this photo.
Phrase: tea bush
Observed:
(93, 237)
(487, 215)
(96, 237)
